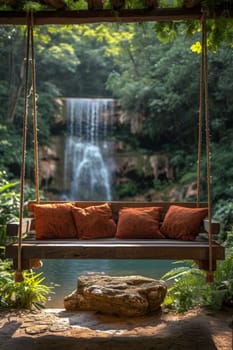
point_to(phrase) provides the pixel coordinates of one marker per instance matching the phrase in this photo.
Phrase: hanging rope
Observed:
(34, 111)
(18, 274)
(29, 43)
(210, 274)
(200, 126)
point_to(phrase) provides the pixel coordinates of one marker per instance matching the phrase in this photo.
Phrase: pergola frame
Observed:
(66, 17)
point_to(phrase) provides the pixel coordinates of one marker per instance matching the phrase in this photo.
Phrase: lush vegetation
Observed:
(31, 292)
(9, 204)
(157, 85)
(188, 288)
(25, 295)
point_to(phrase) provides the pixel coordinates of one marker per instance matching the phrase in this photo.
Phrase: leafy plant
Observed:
(224, 213)
(9, 203)
(222, 288)
(128, 188)
(189, 289)
(25, 295)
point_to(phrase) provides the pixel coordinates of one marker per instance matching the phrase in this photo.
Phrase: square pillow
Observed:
(139, 223)
(94, 222)
(54, 221)
(183, 223)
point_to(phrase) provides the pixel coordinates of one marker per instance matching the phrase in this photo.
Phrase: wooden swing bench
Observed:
(113, 248)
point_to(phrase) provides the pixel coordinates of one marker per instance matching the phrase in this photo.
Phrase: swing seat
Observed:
(114, 248)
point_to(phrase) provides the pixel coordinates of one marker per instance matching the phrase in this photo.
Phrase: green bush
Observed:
(24, 295)
(9, 203)
(128, 188)
(224, 213)
(188, 288)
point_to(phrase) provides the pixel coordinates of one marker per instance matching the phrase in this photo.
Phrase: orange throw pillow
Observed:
(183, 223)
(54, 221)
(139, 223)
(94, 222)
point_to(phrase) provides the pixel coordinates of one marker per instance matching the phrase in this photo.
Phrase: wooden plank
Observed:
(101, 16)
(154, 249)
(12, 228)
(67, 17)
(215, 226)
(113, 248)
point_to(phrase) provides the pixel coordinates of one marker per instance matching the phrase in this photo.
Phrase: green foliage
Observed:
(125, 189)
(188, 289)
(76, 5)
(158, 83)
(25, 295)
(224, 214)
(34, 6)
(9, 203)
(222, 288)
(188, 178)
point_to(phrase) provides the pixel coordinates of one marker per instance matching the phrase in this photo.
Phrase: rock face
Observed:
(129, 296)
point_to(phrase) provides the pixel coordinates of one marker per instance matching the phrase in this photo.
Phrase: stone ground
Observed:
(58, 329)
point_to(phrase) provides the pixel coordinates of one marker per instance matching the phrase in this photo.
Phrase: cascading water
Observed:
(86, 174)
(87, 177)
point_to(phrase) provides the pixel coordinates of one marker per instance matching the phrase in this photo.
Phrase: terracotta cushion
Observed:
(183, 223)
(94, 222)
(139, 223)
(54, 221)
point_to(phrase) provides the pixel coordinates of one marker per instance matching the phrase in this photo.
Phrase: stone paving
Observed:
(57, 329)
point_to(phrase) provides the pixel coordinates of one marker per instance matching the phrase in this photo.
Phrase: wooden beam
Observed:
(116, 249)
(101, 16)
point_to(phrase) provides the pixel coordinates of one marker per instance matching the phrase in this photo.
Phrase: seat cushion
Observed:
(94, 222)
(139, 223)
(183, 223)
(54, 221)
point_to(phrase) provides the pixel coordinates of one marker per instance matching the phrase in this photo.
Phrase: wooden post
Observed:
(58, 4)
(150, 4)
(117, 4)
(95, 4)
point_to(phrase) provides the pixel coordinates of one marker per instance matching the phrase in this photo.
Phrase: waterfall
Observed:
(86, 175)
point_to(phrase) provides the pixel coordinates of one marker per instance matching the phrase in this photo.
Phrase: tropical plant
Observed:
(9, 203)
(224, 213)
(188, 289)
(222, 288)
(24, 295)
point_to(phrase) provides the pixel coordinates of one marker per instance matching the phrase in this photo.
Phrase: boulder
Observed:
(127, 296)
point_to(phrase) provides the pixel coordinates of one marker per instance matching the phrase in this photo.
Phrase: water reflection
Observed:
(63, 274)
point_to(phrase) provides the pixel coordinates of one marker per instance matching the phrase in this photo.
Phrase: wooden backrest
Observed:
(117, 205)
(12, 228)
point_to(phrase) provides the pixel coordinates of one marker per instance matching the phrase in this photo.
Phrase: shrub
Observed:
(9, 203)
(224, 213)
(128, 188)
(188, 288)
(25, 295)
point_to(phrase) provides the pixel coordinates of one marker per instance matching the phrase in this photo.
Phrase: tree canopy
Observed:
(156, 83)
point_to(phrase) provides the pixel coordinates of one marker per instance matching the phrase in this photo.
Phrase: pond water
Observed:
(63, 274)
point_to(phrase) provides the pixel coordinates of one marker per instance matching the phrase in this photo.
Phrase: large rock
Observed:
(128, 296)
